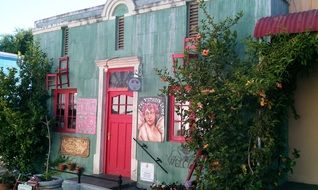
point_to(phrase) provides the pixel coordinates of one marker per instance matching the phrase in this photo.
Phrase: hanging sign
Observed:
(134, 84)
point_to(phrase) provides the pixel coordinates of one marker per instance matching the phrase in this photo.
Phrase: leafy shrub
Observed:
(23, 135)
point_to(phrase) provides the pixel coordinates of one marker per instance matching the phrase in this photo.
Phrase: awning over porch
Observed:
(292, 23)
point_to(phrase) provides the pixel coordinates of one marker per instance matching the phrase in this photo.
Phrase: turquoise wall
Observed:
(153, 37)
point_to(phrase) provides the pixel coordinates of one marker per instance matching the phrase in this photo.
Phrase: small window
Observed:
(193, 18)
(178, 126)
(65, 41)
(65, 110)
(122, 105)
(120, 27)
(119, 79)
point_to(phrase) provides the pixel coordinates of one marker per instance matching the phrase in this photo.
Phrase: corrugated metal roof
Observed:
(292, 23)
(5, 55)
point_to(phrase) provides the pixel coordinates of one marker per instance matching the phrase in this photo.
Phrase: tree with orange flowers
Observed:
(239, 104)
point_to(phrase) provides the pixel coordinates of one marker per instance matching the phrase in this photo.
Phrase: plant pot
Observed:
(54, 184)
(71, 166)
(3, 186)
(62, 166)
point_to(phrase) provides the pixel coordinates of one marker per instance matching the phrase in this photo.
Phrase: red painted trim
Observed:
(107, 109)
(175, 58)
(172, 137)
(67, 92)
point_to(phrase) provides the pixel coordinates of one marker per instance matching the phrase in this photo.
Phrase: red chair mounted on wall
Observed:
(61, 76)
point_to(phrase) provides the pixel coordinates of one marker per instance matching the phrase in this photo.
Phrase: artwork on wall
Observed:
(151, 116)
(86, 116)
(74, 146)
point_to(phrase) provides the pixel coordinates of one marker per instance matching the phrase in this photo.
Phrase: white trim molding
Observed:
(99, 157)
(112, 4)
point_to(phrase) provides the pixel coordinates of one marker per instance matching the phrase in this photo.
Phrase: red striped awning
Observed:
(292, 23)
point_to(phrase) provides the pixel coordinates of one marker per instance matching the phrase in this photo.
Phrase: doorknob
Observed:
(108, 136)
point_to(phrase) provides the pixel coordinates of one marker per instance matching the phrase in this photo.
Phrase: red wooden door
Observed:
(118, 137)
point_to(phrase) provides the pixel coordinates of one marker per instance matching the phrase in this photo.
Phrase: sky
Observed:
(21, 14)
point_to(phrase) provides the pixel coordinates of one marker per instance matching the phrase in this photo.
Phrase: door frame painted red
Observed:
(107, 109)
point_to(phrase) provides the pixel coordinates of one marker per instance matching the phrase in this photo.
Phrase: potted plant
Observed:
(60, 162)
(79, 169)
(71, 166)
(47, 180)
(7, 180)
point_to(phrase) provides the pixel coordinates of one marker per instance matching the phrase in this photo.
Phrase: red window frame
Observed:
(173, 120)
(66, 120)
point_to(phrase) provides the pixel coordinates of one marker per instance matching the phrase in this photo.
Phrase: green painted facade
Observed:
(153, 36)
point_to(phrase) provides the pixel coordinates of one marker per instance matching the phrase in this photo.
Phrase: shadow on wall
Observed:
(298, 186)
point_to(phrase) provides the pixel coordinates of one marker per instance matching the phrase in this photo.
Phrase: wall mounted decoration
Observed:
(86, 116)
(74, 146)
(151, 119)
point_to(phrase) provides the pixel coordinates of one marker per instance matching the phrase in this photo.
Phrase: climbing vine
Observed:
(239, 105)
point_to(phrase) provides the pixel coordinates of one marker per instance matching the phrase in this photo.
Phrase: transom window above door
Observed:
(120, 79)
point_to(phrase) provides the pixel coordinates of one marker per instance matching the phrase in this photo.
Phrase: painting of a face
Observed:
(150, 116)
(151, 122)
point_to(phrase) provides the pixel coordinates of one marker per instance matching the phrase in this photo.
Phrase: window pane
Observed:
(177, 129)
(122, 109)
(61, 99)
(177, 117)
(115, 100)
(122, 99)
(115, 109)
(120, 79)
(60, 122)
(129, 110)
(71, 123)
(129, 100)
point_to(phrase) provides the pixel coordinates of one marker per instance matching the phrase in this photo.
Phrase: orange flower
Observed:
(200, 105)
(261, 93)
(205, 146)
(212, 116)
(198, 36)
(216, 166)
(176, 88)
(279, 85)
(187, 88)
(205, 52)
(263, 102)
(164, 79)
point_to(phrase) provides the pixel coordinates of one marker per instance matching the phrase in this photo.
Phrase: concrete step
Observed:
(103, 181)
(72, 185)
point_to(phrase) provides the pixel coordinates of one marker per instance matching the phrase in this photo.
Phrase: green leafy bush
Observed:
(23, 135)
(239, 105)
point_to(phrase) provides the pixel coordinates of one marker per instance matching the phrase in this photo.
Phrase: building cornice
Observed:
(107, 14)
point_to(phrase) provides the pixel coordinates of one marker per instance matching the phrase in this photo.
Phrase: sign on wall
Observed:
(24, 187)
(134, 84)
(147, 171)
(86, 116)
(151, 118)
(75, 146)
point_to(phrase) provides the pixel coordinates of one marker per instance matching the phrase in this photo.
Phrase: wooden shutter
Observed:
(193, 18)
(65, 41)
(120, 32)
